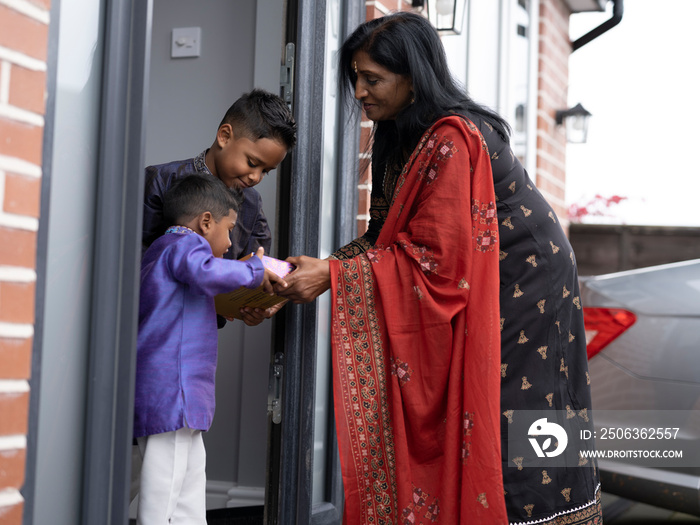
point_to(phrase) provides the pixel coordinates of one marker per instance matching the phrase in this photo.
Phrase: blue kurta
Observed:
(177, 336)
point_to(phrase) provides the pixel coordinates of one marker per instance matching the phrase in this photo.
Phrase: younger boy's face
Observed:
(241, 162)
(218, 235)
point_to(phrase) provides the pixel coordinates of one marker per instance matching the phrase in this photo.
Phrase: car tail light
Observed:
(604, 325)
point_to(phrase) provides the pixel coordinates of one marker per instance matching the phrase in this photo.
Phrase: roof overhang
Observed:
(581, 6)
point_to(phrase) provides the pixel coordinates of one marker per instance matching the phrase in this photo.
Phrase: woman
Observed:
(462, 294)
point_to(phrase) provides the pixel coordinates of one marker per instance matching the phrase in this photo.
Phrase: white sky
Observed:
(641, 82)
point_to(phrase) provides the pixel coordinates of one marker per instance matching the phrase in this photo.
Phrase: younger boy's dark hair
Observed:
(196, 194)
(262, 115)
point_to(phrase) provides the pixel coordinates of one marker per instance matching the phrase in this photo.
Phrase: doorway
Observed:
(310, 204)
(141, 106)
(240, 46)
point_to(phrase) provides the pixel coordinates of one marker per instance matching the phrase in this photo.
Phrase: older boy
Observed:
(253, 138)
(177, 345)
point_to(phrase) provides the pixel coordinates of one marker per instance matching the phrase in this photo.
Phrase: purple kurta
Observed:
(177, 337)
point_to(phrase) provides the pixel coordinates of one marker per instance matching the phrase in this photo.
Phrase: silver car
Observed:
(643, 339)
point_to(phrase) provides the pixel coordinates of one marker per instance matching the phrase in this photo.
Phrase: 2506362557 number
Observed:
(638, 433)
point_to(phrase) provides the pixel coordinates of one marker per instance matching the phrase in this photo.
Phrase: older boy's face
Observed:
(219, 234)
(241, 162)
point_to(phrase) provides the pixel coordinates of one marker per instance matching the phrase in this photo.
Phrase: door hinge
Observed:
(287, 75)
(274, 389)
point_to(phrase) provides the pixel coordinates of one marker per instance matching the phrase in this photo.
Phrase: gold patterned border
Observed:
(362, 373)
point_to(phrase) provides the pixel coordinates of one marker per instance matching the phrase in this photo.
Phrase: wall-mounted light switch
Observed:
(185, 42)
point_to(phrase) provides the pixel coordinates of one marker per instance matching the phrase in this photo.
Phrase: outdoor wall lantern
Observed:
(576, 123)
(447, 16)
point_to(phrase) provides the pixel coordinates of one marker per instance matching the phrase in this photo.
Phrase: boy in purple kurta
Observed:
(177, 345)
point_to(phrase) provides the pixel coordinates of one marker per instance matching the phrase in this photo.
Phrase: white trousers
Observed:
(173, 480)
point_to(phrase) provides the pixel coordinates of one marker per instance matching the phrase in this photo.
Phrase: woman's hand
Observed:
(310, 279)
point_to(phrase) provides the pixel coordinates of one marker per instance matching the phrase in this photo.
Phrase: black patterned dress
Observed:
(543, 348)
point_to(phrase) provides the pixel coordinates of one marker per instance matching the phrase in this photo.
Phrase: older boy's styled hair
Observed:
(262, 115)
(196, 194)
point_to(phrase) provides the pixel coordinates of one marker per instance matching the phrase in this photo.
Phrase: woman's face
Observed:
(383, 94)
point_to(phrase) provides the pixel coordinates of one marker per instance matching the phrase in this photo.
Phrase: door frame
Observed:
(117, 261)
(289, 494)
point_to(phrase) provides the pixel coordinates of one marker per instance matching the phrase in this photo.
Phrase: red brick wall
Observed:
(374, 9)
(552, 87)
(24, 27)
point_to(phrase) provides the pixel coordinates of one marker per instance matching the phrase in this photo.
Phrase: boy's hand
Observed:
(271, 278)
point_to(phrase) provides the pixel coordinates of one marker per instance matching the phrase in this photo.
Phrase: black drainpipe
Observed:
(602, 28)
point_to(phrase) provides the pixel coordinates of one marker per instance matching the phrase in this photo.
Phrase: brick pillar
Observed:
(24, 27)
(553, 81)
(374, 9)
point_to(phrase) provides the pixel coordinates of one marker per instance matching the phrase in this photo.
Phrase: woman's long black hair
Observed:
(407, 44)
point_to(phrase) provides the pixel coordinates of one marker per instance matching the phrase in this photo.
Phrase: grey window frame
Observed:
(114, 322)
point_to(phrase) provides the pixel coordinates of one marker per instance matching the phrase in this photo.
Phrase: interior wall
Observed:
(188, 98)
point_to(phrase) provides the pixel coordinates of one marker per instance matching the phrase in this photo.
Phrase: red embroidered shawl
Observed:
(416, 346)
